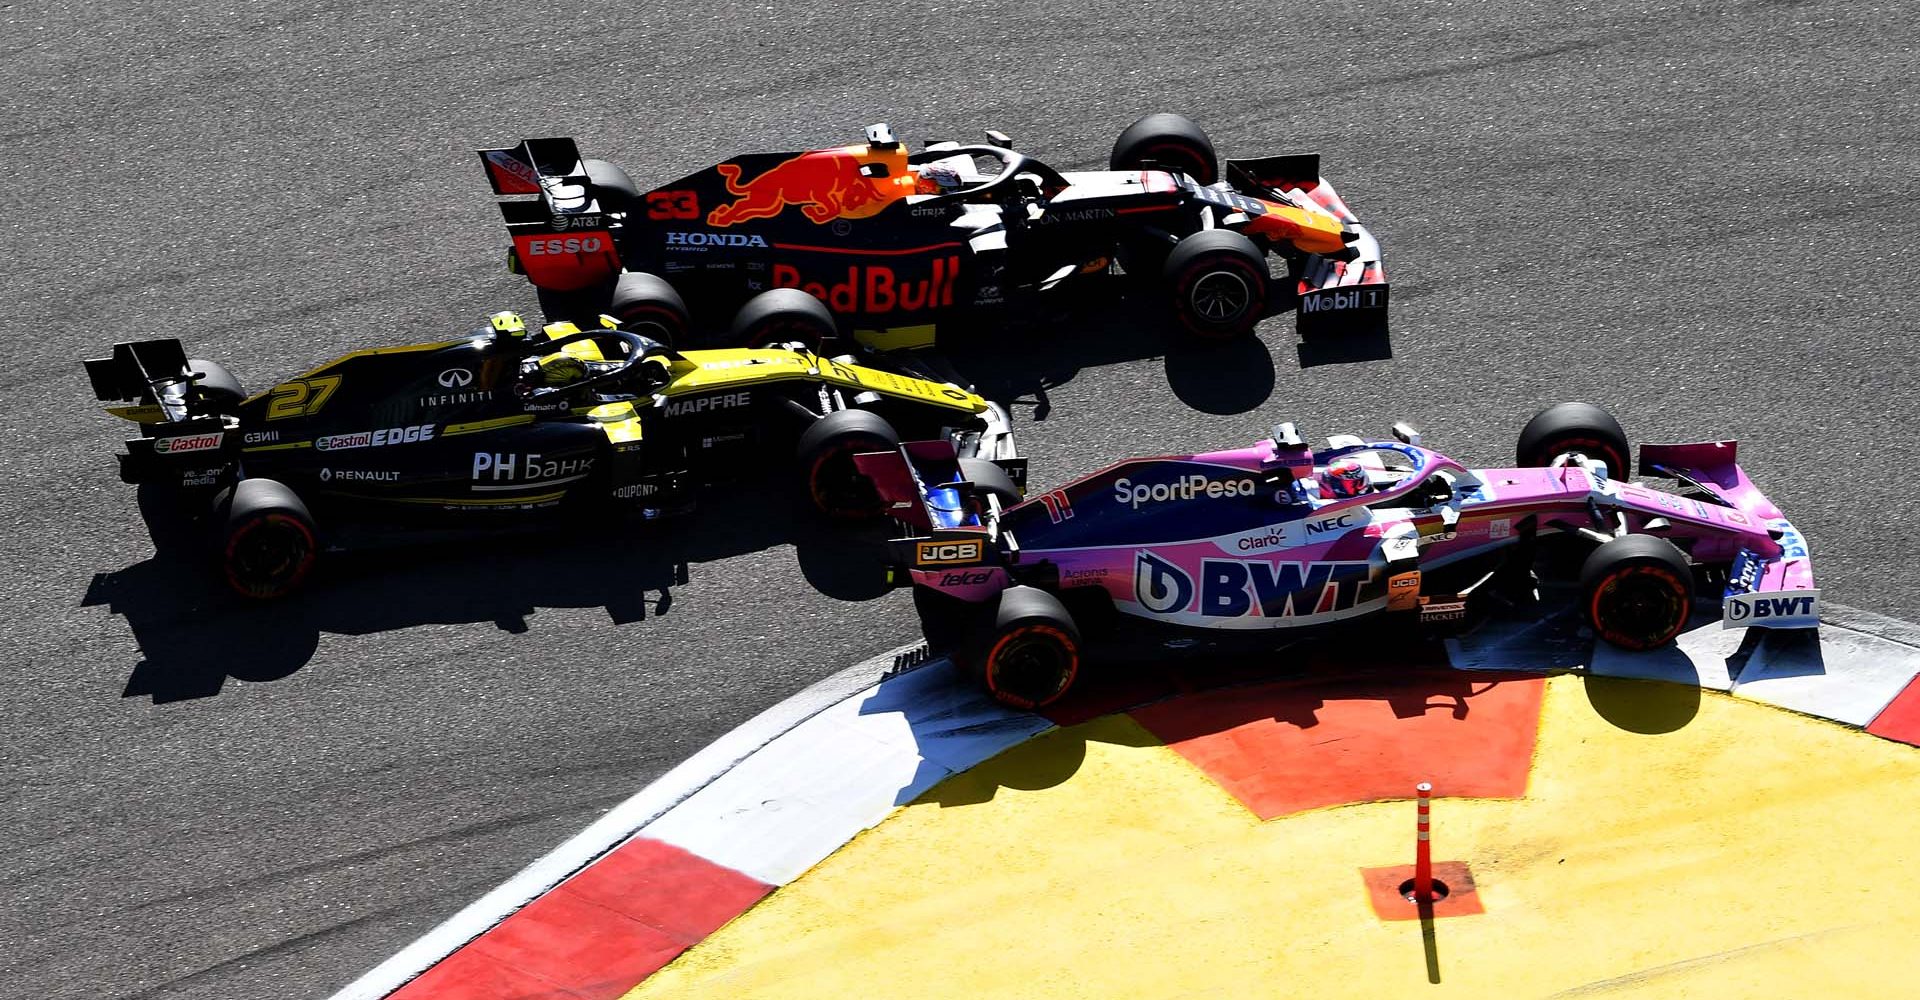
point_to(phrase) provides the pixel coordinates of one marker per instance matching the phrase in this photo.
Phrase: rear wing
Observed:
(1770, 581)
(561, 222)
(183, 441)
(1347, 291)
(948, 523)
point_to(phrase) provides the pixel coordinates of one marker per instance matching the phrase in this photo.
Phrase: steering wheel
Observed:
(639, 349)
(1013, 165)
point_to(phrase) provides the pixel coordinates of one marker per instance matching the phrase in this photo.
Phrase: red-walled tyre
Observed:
(782, 316)
(1565, 428)
(1166, 142)
(834, 485)
(1032, 656)
(1638, 591)
(1218, 285)
(270, 543)
(645, 304)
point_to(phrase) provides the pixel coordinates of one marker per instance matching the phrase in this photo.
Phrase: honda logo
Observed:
(455, 378)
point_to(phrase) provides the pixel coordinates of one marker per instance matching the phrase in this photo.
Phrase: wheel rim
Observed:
(1220, 297)
(1639, 607)
(837, 486)
(269, 556)
(1032, 666)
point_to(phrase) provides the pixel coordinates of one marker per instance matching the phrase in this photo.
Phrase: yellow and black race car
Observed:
(505, 427)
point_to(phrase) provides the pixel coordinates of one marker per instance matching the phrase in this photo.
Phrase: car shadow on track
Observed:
(1289, 686)
(194, 635)
(1108, 320)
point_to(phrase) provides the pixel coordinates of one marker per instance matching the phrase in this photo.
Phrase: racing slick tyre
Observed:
(1564, 428)
(1031, 657)
(835, 487)
(990, 479)
(218, 386)
(1166, 142)
(270, 542)
(645, 304)
(1218, 283)
(1638, 591)
(780, 316)
(616, 191)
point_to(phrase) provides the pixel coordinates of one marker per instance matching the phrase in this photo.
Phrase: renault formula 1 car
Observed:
(892, 242)
(502, 428)
(1245, 543)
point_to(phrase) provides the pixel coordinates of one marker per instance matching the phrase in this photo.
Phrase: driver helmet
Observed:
(561, 369)
(936, 179)
(1344, 477)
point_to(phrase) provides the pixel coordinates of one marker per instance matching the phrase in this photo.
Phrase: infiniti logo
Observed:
(454, 378)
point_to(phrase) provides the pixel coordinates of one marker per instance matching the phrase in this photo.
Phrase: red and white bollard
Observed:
(1423, 850)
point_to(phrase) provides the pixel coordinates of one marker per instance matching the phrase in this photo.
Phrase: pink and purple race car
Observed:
(1270, 542)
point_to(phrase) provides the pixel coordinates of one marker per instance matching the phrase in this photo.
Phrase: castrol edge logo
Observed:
(936, 553)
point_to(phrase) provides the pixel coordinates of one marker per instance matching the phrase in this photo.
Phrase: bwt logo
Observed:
(1234, 588)
(1785, 609)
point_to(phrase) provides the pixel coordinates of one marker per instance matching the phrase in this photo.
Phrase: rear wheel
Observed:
(1566, 428)
(1032, 655)
(270, 543)
(1639, 591)
(1218, 283)
(780, 316)
(834, 485)
(991, 480)
(616, 191)
(645, 304)
(218, 386)
(1166, 142)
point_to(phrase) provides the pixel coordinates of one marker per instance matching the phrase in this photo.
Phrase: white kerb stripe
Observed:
(810, 791)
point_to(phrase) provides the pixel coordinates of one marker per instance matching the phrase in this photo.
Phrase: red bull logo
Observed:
(826, 184)
(876, 288)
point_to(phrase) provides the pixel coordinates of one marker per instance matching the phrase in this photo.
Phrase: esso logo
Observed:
(549, 246)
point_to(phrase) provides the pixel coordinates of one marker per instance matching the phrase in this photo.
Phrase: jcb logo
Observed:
(934, 553)
(301, 397)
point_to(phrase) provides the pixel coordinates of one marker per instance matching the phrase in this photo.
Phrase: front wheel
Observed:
(834, 485)
(1638, 590)
(647, 305)
(1166, 142)
(1218, 283)
(1565, 429)
(1032, 656)
(270, 542)
(782, 316)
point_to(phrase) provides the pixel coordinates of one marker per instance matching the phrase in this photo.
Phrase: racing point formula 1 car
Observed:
(502, 429)
(1245, 545)
(893, 242)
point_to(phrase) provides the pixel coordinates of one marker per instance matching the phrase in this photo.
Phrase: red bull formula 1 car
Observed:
(889, 243)
(1265, 543)
(505, 429)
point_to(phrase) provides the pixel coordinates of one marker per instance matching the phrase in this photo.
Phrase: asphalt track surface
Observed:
(1703, 215)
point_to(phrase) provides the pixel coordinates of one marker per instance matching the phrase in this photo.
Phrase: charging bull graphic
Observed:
(826, 184)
